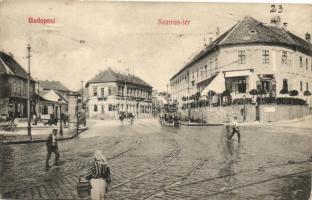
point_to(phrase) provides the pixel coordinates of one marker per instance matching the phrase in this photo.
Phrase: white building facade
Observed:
(110, 93)
(248, 56)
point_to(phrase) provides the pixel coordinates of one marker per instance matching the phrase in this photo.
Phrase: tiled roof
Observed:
(53, 85)
(250, 31)
(8, 65)
(111, 76)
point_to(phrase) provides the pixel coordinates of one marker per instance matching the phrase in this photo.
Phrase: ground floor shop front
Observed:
(109, 108)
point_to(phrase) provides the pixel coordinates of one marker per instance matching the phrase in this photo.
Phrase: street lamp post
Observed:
(60, 101)
(28, 94)
(244, 116)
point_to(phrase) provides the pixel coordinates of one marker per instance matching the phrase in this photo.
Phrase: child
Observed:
(235, 129)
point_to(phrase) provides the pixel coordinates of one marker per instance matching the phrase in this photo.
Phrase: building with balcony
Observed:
(110, 92)
(13, 88)
(250, 55)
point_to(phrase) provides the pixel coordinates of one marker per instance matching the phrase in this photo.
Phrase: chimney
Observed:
(210, 40)
(276, 20)
(217, 32)
(285, 24)
(308, 37)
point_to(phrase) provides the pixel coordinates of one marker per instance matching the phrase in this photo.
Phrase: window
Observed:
(14, 88)
(193, 74)
(307, 86)
(210, 64)
(236, 84)
(300, 85)
(95, 108)
(300, 60)
(206, 68)
(197, 73)
(102, 91)
(94, 91)
(193, 83)
(111, 107)
(216, 62)
(45, 110)
(284, 57)
(285, 85)
(241, 57)
(252, 32)
(307, 64)
(265, 57)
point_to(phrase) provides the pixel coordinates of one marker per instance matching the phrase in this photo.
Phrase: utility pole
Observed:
(28, 94)
(82, 91)
(126, 91)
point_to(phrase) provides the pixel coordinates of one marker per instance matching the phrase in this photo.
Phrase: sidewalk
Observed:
(304, 122)
(39, 134)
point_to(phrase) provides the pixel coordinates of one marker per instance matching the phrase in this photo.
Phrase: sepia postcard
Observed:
(155, 100)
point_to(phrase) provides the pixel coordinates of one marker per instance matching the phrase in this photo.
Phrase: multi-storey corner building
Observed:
(13, 88)
(250, 55)
(110, 92)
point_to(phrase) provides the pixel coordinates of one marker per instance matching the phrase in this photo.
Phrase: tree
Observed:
(307, 93)
(197, 96)
(284, 91)
(262, 92)
(211, 93)
(293, 93)
(226, 94)
(253, 92)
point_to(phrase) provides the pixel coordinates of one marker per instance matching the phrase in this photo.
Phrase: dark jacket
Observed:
(49, 143)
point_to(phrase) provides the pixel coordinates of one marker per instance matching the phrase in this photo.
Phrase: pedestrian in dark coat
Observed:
(52, 147)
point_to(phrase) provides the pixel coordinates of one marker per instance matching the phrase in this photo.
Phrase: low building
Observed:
(160, 99)
(49, 93)
(13, 88)
(250, 55)
(110, 92)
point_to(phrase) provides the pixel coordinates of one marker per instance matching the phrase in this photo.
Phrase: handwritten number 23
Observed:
(279, 9)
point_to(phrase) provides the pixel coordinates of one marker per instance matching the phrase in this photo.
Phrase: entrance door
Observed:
(267, 84)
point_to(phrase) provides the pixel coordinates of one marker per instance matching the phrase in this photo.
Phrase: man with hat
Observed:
(52, 148)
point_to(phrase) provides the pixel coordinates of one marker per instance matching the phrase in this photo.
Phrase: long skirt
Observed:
(98, 189)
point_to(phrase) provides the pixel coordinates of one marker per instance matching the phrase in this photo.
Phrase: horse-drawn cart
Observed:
(169, 116)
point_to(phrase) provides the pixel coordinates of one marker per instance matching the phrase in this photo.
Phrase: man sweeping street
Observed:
(52, 148)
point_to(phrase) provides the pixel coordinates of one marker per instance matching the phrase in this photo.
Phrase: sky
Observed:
(125, 36)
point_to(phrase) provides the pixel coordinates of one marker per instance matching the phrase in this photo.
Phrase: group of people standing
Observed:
(169, 118)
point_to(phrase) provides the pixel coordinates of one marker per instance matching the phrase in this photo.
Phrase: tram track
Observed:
(157, 170)
(178, 190)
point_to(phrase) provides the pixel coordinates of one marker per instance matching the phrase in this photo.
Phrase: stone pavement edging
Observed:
(255, 123)
(43, 140)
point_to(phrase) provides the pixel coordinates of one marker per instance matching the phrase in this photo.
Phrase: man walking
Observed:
(52, 148)
(235, 129)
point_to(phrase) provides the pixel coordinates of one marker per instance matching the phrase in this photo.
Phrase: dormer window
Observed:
(252, 32)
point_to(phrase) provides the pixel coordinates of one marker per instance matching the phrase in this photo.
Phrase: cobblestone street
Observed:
(153, 162)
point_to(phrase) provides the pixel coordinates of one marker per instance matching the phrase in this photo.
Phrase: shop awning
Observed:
(237, 73)
(162, 99)
(217, 84)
